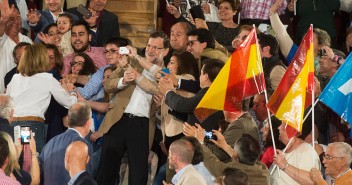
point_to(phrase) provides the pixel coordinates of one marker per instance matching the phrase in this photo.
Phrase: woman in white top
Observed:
(31, 91)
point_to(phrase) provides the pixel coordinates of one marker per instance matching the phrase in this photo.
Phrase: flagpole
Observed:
(310, 110)
(283, 152)
(239, 16)
(313, 97)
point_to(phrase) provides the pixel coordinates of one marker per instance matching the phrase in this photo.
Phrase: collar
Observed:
(76, 131)
(177, 176)
(74, 178)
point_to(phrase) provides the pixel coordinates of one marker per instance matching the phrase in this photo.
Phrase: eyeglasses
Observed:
(191, 42)
(80, 63)
(152, 47)
(112, 51)
(328, 157)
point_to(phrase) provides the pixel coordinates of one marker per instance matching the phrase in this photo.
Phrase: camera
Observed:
(124, 51)
(321, 52)
(25, 134)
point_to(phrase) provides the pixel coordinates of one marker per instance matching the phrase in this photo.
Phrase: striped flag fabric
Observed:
(241, 77)
(289, 99)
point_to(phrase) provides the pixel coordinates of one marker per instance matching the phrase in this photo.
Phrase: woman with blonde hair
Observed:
(32, 88)
(13, 167)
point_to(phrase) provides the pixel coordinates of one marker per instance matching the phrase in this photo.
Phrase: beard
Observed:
(82, 49)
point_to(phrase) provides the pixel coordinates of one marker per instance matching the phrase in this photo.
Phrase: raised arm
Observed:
(5, 14)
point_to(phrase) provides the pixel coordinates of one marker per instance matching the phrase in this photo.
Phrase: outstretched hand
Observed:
(6, 11)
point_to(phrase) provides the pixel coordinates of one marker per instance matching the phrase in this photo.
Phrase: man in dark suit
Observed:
(38, 19)
(104, 23)
(209, 71)
(52, 156)
(76, 159)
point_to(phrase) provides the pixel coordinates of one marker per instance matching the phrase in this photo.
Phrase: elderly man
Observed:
(6, 114)
(104, 23)
(10, 36)
(53, 154)
(337, 161)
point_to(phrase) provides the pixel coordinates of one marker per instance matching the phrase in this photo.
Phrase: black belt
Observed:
(133, 116)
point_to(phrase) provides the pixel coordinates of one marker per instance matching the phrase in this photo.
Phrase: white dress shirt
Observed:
(31, 95)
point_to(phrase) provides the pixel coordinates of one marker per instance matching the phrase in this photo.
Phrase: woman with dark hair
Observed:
(185, 66)
(82, 64)
(268, 154)
(50, 35)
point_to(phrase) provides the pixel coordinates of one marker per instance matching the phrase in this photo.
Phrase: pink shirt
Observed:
(96, 53)
(6, 180)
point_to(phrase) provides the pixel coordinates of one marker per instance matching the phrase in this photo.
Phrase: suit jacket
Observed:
(191, 176)
(52, 158)
(45, 19)
(85, 179)
(122, 98)
(258, 173)
(242, 125)
(107, 26)
(5, 127)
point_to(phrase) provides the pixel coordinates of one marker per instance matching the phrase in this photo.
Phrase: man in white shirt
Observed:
(126, 124)
(10, 36)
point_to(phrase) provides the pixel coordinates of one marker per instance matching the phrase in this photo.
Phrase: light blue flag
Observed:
(338, 93)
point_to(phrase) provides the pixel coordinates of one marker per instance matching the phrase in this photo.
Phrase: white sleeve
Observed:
(60, 94)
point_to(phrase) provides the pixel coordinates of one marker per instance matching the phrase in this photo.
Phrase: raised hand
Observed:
(6, 11)
(274, 7)
(45, 38)
(92, 21)
(33, 16)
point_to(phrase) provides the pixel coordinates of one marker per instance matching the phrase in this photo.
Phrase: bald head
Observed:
(76, 157)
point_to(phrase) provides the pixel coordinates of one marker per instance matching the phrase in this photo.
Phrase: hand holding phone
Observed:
(84, 11)
(165, 70)
(25, 134)
(124, 51)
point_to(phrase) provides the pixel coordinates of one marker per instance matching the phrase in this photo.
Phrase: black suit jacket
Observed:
(85, 179)
(188, 105)
(107, 26)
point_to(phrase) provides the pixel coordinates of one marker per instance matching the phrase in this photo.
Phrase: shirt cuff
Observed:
(179, 84)
(120, 84)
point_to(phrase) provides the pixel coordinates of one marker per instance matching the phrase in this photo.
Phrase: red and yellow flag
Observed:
(289, 99)
(241, 77)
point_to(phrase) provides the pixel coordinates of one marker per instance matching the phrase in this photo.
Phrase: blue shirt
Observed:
(94, 85)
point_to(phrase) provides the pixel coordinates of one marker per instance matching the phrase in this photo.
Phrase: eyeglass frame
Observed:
(329, 158)
(80, 63)
(111, 51)
(153, 47)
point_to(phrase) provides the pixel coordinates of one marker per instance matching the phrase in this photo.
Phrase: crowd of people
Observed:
(98, 110)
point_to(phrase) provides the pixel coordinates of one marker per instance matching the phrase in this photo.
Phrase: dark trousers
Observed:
(129, 134)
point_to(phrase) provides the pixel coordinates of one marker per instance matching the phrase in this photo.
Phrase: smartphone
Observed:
(197, 12)
(209, 135)
(165, 70)
(84, 11)
(25, 134)
(124, 51)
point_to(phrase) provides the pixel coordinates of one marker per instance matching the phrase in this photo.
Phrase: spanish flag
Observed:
(241, 77)
(289, 100)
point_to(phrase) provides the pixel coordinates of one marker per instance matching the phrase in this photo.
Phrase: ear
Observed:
(266, 49)
(87, 161)
(204, 45)
(89, 37)
(166, 52)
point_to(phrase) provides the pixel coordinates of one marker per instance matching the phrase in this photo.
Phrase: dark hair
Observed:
(235, 4)
(46, 29)
(18, 46)
(78, 114)
(269, 40)
(234, 176)
(198, 152)
(118, 41)
(112, 68)
(275, 124)
(4, 150)
(212, 68)
(69, 16)
(248, 149)
(81, 23)
(88, 65)
(58, 57)
(160, 34)
(203, 35)
(187, 64)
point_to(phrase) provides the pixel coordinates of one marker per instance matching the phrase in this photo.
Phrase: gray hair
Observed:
(342, 149)
(6, 106)
(248, 149)
(183, 149)
(78, 114)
